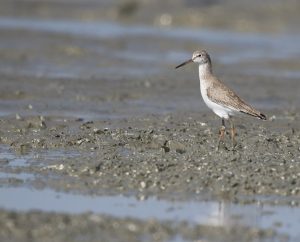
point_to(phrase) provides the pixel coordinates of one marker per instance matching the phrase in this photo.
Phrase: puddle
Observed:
(21, 176)
(12, 159)
(283, 219)
(13, 165)
(32, 158)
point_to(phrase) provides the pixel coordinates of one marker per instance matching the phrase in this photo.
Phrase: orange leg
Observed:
(221, 133)
(233, 133)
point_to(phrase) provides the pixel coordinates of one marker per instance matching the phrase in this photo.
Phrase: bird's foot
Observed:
(221, 146)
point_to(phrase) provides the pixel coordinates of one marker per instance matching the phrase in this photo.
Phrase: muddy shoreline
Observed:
(96, 109)
(63, 227)
(158, 155)
(170, 155)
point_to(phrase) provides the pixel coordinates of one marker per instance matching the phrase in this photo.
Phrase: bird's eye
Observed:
(200, 55)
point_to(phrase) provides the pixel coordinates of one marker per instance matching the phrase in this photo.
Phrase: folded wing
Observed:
(221, 94)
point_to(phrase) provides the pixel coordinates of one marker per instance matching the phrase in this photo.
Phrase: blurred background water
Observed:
(250, 43)
(115, 58)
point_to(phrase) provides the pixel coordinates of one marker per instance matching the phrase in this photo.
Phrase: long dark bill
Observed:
(184, 63)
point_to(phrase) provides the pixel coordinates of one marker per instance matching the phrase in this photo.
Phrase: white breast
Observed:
(219, 110)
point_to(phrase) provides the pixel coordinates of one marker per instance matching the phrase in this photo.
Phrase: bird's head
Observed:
(199, 56)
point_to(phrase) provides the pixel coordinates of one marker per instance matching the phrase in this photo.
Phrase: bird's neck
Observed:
(205, 70)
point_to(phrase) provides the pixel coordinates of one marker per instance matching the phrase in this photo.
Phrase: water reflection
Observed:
(283, 219)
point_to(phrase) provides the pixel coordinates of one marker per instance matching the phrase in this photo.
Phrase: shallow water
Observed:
(29, 158)
(283, 219)
(72, 50)
(99, 69)
(20, 176)
(241, 47)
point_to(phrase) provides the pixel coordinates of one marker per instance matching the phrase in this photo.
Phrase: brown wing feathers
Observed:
(226, 97)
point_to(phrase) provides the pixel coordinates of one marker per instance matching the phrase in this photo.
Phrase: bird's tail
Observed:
(262, 116)
(255, 113)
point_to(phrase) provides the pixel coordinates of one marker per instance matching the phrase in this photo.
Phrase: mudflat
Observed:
(99, 112)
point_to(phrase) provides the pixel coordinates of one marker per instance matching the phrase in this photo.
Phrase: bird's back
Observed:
(219, 93)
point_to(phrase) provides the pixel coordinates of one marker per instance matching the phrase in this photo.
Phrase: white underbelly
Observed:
(219, 110)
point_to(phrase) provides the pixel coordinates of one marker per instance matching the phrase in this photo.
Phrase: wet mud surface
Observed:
(63, 227)
(158, 155)
(170, 155)
(95, 119)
